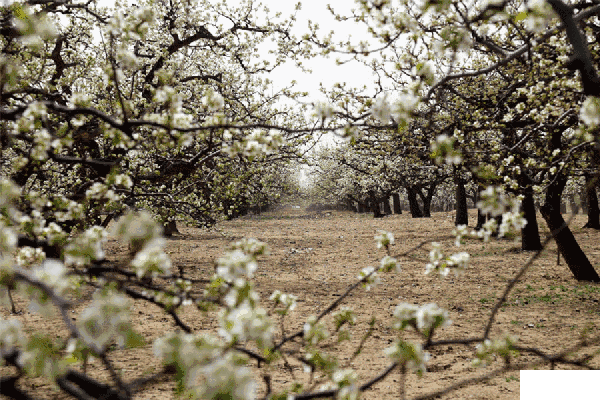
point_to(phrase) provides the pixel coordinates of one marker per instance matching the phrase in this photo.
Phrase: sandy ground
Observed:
(317, 257)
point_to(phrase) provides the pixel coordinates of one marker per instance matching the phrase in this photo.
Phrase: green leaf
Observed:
(521, 16)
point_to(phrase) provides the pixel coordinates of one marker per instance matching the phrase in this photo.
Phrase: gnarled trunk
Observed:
(567, 245)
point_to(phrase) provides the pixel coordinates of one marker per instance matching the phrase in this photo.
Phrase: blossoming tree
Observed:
(161, 105)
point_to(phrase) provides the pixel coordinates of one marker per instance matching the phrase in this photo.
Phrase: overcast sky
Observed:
(324, 70)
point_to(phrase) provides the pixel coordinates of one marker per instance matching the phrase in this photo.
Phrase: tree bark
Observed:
(361, 207)
(396, 203)
(169, 228)
(567, 245)
(530, 234)
(387, 209)
(375, 206)
(413, 204)
(462, 213)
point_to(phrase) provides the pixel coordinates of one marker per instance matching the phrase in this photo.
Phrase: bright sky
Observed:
(325, 71)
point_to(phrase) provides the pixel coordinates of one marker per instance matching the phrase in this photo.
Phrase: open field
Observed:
(316, 257)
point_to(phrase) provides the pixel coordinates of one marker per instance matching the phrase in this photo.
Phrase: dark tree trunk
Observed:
(413, 204)
(462, 213)
(169, 228)
(387, 209)
(427, 207)
(530, 234)
(593, 211)
(481, 219)
(375, 206)
(426, 199)
(396, 201)
(567, 245)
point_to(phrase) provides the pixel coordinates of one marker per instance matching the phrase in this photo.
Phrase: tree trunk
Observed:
(481, 219)
(567, 245)
(427, 207)
(375, 206)
(462, 213)
(593, 211)
(530, 234)
(396, 202)
(169, 228)
(387, 209)
(426, 199)
(413, 204)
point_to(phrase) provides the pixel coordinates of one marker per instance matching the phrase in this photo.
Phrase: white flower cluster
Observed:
(27, 256)
(443, 151)
(42, 142)
(33, 27)
(495, 202)
(254, 145)
(424, 319)
(370, 277)
(213, 101)
(136, 229)
(8, 244)
(105, 320)
(244, 323)
(453, 38)
(381, 110)
(120, 180)
(100, 191)
(236, 266)
(459, 232)
(323, 111)
(152, 260)
(209, 372)
(384, 239)
(349, 133)
(54, 233)
(288, 301)
(590, 111)
(410, 355)
(389, 263)
(425, 71)
(538, 15)
(11, 335)
(314, 332)
(346, 381)
(223, 378)
(242, 319)
(401, 111)
(9, 192)
(51, 273)
(86, 247)
(441, 264)
(502, 347)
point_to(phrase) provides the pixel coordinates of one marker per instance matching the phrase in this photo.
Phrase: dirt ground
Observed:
(318, 256)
